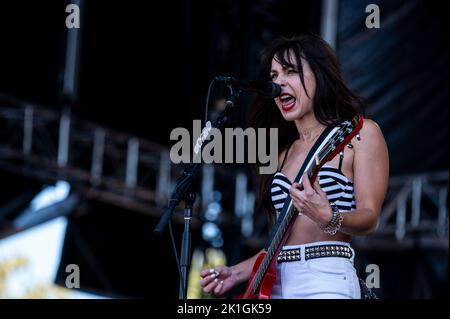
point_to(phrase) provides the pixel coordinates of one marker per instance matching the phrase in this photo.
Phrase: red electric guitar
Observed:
(330, 143)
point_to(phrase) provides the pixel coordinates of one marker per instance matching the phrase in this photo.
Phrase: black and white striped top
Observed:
(334, 183)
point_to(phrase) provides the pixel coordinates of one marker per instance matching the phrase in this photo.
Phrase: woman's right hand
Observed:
(217, 280)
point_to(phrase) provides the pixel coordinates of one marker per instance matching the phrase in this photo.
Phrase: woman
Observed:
(351, 186)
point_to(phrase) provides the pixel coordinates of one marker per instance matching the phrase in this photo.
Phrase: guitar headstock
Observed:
(341, 136)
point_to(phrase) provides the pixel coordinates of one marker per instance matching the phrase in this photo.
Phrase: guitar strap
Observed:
(311, 153)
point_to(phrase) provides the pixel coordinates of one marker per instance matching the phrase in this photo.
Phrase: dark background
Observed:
(145, 69)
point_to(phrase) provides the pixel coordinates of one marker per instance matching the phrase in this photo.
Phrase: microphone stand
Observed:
(181, 191)
(185, 260)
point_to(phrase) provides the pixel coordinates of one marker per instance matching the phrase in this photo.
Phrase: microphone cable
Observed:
(207, 99)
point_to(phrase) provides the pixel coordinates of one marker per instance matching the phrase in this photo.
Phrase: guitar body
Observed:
(266, 284)
(270, 275)
(268, 281)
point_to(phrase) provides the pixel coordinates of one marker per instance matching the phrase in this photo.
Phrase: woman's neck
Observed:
(308, 129)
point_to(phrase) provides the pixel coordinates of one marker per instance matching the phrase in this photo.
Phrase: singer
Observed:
(346, 198)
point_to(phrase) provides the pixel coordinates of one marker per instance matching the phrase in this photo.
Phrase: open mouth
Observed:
(287, 101)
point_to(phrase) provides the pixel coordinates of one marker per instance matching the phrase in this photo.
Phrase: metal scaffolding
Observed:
(101, 163)
(106, 165)
(414, 214)
(137, 174)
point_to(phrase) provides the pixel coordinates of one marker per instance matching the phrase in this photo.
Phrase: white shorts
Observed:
(318, 278)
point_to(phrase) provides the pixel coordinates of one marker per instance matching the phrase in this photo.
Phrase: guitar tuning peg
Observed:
(358, 137)
(349, 145)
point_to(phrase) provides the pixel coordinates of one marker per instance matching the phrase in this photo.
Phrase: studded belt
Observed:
(312, 252)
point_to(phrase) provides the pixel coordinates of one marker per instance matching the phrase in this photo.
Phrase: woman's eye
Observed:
(291, 71)
(273, 76)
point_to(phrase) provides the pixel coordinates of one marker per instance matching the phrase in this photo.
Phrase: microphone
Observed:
(266, 89)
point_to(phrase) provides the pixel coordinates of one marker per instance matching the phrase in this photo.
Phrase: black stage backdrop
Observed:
(145, 69)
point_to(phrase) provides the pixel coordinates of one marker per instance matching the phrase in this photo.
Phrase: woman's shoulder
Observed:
(371, 136)
(370, 128)
(369, 131)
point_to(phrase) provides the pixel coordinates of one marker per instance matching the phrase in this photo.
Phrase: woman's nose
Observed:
(280, 80)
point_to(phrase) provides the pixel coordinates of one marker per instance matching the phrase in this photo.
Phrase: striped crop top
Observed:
(334, 183)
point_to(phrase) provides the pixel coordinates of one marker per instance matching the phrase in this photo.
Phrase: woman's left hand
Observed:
(312, 201)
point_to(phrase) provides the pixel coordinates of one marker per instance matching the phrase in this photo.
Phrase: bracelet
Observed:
(333, 220)
(333, 229)
(335, 223)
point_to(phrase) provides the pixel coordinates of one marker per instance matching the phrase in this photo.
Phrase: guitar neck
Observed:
(280, 236)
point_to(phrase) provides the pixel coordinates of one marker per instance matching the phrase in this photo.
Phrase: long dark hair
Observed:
(333, 101)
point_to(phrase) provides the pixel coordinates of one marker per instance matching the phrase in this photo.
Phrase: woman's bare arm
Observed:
(370, 174)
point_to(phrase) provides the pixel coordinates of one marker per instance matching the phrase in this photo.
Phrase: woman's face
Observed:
(293, 102)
